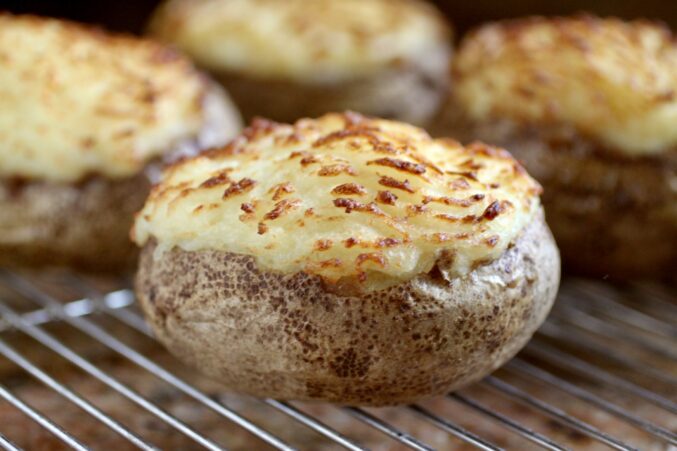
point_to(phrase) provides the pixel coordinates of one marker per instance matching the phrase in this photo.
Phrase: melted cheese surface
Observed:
(318, 40)
(614, 81)
(76, 101)
(344, 196)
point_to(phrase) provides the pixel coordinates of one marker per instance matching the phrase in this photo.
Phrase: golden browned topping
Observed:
(386, 220)
(614, 81)
(303, 40)
(76, 101)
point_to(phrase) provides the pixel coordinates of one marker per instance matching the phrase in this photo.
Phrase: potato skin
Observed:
(611, 214)
(412, 93)
(84, 225)
(288, 337)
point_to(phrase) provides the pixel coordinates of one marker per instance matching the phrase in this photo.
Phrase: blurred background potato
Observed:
(133, 15)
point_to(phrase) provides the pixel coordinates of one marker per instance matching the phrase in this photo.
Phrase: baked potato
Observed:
(345, 259)
(589, 106)
(85, 117)
(293, 59)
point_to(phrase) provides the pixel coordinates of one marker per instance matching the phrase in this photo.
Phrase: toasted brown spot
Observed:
(472, 175)
(305, 161)
(429, 164)
(440, 237)
(495, 208)
(394, 183)
(350, 205)
(417, 209)
(262, 228)
(459, 184)
(220, 179)
(349, 188)
(374, 257)
(281, 208)
(358, 132)
(281, 189)
(259, 127)
(350, 242)
(247, 207)
(400, 165)
(472, 164)
(336, 169)
(332, 262)
(380, 243)
(491, 241)
(388, 242)
(309, 212)
(386, 197)
(299, 153)
(306, 157)
(467, 202)
(322, 245)
(240, 187)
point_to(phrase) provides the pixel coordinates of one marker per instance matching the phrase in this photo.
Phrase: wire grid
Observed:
(600, 373)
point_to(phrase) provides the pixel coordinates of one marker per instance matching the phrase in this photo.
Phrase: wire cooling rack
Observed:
(79, 369)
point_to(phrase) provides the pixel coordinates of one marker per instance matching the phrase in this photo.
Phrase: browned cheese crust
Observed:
(288, 336)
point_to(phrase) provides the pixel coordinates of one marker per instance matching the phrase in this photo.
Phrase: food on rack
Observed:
(297, 58)
(83, 116)
(590, 106)
(345, 259)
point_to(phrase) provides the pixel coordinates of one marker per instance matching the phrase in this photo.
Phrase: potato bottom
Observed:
(611, 215)
(411, 92)
(84, 225)
(286, 336)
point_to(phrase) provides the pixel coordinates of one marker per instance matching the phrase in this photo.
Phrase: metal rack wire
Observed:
(600, 373)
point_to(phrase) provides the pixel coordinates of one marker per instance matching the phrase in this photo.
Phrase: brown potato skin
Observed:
(286, 336)
(84, 225)
(611, 214)
(412, 93)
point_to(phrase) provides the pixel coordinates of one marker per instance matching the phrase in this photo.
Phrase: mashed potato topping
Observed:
(344, 196)
(76, 101)
(614, 81)
(323, 40)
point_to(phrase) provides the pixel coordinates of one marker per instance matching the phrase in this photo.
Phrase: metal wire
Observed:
(557, 414)
(598, 311)
(528, 434)
(41, 420)
(551, 354)
(17, 358)
(387, 429)
(599, 402)
(554, 330)
(314, 424)
(94, 331)
(58, 347)
(7, 444)
(454, 429)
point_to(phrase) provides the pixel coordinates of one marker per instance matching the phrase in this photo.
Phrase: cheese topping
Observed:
(318, 40)
(76, 101)
(344, 196)
(614, 81)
